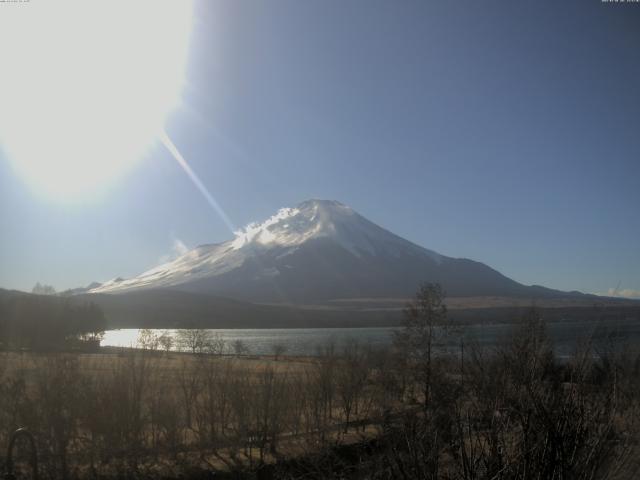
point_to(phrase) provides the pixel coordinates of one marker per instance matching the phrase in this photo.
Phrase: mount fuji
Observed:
(319, 251)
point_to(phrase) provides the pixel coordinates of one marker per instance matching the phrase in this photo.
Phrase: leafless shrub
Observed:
(351, 378)
(200, 341)
(240, 348)
(166, 342)
(278, 350)
(148, 340)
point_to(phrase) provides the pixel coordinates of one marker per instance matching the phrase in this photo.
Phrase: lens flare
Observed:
(175, 153)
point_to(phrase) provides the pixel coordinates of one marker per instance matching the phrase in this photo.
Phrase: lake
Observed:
(305, 341)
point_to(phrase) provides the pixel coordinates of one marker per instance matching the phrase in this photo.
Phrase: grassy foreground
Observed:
(510, 413)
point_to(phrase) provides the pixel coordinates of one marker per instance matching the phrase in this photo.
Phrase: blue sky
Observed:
(506, 132)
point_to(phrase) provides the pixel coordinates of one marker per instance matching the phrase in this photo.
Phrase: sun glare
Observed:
(86, 86)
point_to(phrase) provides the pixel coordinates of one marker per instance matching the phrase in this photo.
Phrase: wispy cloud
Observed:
(626, 293)
(178, 248)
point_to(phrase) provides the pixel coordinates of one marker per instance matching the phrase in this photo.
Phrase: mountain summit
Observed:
(317, 251)
(323, 219)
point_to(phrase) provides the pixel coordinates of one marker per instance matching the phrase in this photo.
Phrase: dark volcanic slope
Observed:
(175, 309)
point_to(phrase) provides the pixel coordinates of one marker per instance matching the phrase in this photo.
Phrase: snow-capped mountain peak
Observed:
(267, 231)
(317, 250)
(294, 226)
(285, 231)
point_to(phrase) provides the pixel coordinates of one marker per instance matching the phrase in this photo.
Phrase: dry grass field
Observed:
(505, 413)
(138, 412)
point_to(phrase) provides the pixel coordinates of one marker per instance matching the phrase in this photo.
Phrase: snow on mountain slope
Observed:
(321, 219)
(287, 229)
(319, 250)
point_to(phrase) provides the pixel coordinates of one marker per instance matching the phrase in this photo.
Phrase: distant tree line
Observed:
(40, 322)
(43, 289)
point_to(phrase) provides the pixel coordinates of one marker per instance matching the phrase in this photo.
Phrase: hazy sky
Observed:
(506, 132)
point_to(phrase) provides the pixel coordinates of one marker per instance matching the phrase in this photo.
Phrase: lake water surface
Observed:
(305, 341)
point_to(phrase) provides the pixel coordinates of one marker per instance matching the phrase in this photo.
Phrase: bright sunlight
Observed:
(86, 87)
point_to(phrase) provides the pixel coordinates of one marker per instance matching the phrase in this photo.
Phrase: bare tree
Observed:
(215, 344)
(268, 409)
(40, 289)
(198, 340)
(147, 339)
(425, 323)
(240, 347)
(351, 377)
(279, 349)
(321, 392)
(190, 384)
(166, 341)
(213, 408)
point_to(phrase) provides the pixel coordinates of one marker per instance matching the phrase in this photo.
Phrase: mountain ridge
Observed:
(321, 250)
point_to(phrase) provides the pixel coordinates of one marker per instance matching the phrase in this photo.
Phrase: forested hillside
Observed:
(40, 322)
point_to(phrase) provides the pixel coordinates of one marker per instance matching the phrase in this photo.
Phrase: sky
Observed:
(506, 132)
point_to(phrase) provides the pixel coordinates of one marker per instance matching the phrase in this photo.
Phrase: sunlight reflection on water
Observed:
(305, 341)
(298, 341)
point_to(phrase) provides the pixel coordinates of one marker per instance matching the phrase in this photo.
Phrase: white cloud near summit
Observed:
(178, 248)
(626, 293)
